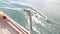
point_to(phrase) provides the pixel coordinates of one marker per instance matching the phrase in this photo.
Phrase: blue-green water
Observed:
(19, 17)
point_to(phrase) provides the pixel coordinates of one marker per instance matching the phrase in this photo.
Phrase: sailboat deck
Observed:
(5, 28)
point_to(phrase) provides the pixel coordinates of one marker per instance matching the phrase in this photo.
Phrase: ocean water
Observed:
(39, 27)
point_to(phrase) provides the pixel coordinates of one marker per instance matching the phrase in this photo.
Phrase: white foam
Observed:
(35, 29)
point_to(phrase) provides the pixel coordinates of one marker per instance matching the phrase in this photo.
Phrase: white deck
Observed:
(5, 28)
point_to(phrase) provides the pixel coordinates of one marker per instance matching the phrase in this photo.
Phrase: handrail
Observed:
(13, 24)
